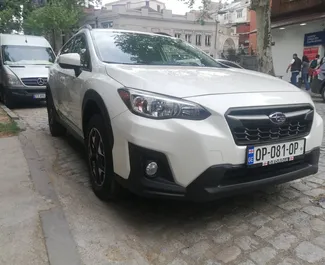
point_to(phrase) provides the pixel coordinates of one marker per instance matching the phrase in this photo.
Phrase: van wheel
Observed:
(1, 93)
(56, 128)
(100, 160)
(7, 99)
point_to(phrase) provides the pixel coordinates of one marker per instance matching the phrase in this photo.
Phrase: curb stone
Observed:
(14, 117)
(10, 113)
(60, 244)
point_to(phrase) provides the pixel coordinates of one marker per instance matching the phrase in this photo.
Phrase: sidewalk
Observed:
(21, 236)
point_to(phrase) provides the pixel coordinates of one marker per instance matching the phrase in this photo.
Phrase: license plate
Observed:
(38, 96)
(274, 153)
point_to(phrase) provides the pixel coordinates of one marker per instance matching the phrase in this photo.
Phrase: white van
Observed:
(24, 63)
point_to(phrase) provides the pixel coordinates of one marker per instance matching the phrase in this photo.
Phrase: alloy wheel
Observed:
(96, 156)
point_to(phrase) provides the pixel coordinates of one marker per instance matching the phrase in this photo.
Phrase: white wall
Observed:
(231, 16)
(290, 41)
(133, 4)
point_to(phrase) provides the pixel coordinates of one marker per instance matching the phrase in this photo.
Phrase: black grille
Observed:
(34, 81)
(253, 126)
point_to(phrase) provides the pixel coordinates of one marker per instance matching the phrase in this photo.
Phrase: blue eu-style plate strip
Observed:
(250, 155)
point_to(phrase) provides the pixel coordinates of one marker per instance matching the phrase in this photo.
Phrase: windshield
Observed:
(137, 48)
(27, 55)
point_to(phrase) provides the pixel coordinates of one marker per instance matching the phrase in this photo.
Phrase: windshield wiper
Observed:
(125, 63)
(16, 66)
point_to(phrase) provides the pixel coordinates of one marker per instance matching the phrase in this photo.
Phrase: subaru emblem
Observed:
(277, 118)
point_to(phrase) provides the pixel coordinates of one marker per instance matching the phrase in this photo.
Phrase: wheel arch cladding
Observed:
(94, 104)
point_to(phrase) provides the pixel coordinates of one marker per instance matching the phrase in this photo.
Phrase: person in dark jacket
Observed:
(305, 71)
(295, 67)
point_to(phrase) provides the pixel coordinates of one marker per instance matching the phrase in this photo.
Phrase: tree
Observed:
(55, 17)
(263, 22)
(12, 13)
(262, 9)
(8, 23)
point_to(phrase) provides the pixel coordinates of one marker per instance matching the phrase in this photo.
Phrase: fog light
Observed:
(151, 169)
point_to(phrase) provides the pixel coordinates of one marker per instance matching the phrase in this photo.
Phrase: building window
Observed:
(177, 35)
(208, 40)
(198, 40)
(239, 13)
(158, 8)
(188, 37)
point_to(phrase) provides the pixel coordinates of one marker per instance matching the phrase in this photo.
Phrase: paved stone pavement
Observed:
(21, 236)
(283, 225)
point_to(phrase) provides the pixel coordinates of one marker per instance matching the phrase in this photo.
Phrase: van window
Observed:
(27, 55)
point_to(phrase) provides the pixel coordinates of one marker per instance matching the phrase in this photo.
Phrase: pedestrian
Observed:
(313, 66)
(314, 63)
(305, 71)
(295, 67)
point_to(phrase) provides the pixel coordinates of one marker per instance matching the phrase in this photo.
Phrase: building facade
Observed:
(298, 26)
(237, 16)
(152, 16)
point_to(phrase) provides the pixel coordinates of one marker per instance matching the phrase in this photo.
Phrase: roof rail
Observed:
(86, 26)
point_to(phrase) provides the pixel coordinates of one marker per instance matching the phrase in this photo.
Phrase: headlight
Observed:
(157, 106)
(13, 80)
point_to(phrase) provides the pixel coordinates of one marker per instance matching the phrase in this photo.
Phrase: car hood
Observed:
(30, 71)
(195, 81)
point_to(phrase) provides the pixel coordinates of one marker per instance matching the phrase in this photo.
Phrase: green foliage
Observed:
(10, 13)
(8, 22)
(205, 13)
(55, 16)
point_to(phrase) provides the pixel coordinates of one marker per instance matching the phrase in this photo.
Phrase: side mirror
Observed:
(70, 61)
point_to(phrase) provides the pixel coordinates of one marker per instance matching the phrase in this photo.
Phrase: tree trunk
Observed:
(53, 40)
(264, 37)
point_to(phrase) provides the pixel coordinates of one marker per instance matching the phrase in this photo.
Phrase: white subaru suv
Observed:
(161, 118)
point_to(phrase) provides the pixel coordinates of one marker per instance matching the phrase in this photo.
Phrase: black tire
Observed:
(56, 128)
(323, 93)
(7, 99)
(100, 160)
(1, 93)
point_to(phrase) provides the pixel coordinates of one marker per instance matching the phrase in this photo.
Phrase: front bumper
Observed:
(27, 94)
(215, 182)
(194, 149)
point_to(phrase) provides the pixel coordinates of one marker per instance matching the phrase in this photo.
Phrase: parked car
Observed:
(183, 126)
(229, 64)
(24, 64)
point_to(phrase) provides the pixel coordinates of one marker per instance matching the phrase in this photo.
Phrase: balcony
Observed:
(282, 8)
